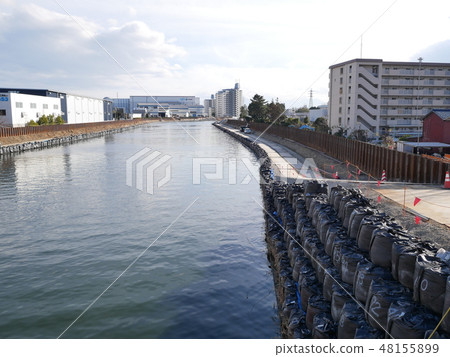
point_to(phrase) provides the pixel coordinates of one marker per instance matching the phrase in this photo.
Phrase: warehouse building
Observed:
(73, 108)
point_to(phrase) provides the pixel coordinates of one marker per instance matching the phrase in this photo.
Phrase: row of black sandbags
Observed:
(335, 228)
(412, 261)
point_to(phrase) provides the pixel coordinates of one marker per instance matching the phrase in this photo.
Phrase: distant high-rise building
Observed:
(228, 102)
(386, 97)
(209, 106)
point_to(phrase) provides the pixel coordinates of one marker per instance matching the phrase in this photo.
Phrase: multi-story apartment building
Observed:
(386, 97)
(228, 102)
(209, 106)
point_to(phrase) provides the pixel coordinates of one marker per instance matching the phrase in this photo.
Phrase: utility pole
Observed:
(310, 98)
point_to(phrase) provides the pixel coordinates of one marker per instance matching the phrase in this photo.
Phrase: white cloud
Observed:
(50, 49)
(278, 49)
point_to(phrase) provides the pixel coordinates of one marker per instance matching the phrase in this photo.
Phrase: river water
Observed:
(84, 255)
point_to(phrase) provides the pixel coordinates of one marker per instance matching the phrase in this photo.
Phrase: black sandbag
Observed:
(446, 322)
(349, 207)
(308, 287)
(331, 280)
(326, 219)
(333, 191)
(301, 222)
(319, 211)
(404, 255)
(323, 262)
(297, 326)
(310, 244)
(334, 231)
(381, 294)
(366, 228)
(294, 251)
(341, 295)
(365, 331)
(338, 245)
(289, 234)
(314, 186)
(324, 326)
(352, 317)
(365, 272)
(289, 306)
(430, 280)
(337, 198)
(355, 220)
(316, 305)
(350, 257)
(299, 262)
(407, 320)
(305, 270)
(380, 249)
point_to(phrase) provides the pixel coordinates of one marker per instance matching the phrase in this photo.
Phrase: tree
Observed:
(257, 108)
(303, 109)
(341, 132)
(59, 120)
(321, 125)
(31, 123)
(360, 135)
(43, 120)
(276, 111)
(244, 112)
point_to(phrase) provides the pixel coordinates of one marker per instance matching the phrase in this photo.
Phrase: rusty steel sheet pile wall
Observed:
(27, 130)
(370, 158)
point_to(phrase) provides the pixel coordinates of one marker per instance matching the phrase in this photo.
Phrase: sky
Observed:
(279, 49)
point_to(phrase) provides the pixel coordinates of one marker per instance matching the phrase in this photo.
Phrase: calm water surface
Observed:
(70, 226)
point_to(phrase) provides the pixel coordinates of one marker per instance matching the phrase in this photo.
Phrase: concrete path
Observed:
(434, 201)
(288, 167)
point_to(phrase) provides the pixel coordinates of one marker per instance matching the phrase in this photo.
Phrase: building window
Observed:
(340, 110)
(19, 105)
(341, 80)
(342, 70)
(340, 100)
(340, 121)
(349, 89)
(349, 100)
(55, 106)
(350, 69)
(45, 106)
(2, 112)
(340, 90)
(33, 105)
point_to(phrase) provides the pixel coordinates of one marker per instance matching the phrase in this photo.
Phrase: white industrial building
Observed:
(158, 106)
(82, 109)
(386, 97)
(17, 109)
(19, 106)
(228, 102)
(320, 111)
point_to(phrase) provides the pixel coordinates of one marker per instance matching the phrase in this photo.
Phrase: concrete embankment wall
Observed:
(344, 269)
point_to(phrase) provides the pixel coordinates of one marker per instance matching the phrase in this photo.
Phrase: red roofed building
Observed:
(436, 126)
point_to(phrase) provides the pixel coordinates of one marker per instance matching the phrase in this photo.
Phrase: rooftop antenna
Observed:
(311, 98)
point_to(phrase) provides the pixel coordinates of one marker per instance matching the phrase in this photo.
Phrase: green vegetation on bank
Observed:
(47, 120)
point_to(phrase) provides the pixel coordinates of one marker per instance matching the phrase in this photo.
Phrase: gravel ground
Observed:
(429, 230)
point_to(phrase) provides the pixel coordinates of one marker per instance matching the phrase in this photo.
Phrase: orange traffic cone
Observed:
(383, 176)
(447, 180)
